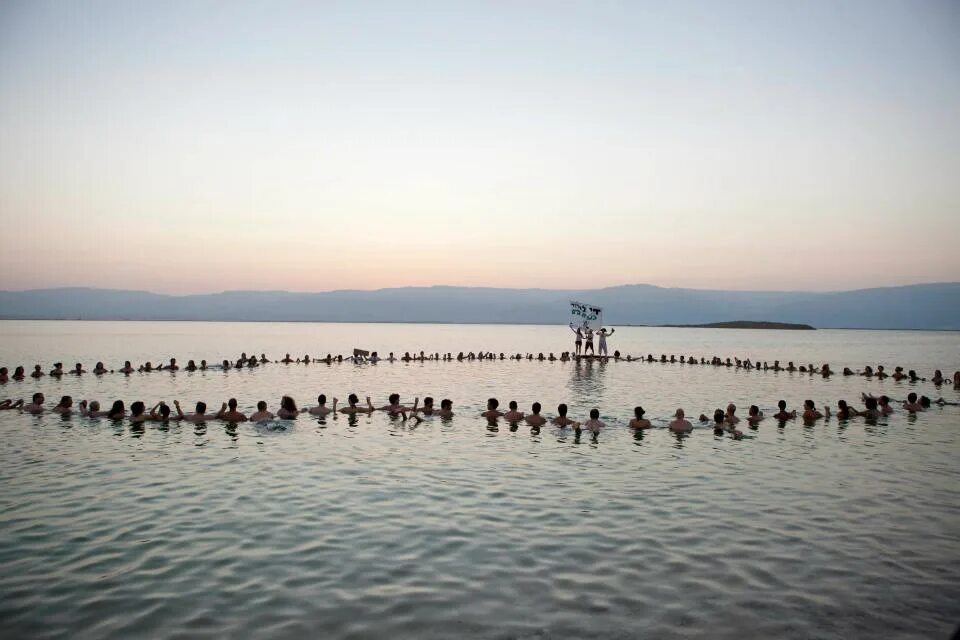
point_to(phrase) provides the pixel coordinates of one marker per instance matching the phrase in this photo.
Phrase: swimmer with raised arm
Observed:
(562, 420)
(352, 407)
(394, 408)
(588, 340)
(228, 412)
(638, 421)
(159, 413)
(322, 409)
(199, 415)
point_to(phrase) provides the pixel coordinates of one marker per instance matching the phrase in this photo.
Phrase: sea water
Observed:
(372, 527)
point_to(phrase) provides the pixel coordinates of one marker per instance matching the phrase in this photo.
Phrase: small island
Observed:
(746, 324)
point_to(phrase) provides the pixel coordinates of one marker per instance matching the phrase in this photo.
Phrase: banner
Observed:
(586, 315)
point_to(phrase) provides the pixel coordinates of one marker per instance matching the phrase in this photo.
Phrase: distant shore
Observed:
(746, 324)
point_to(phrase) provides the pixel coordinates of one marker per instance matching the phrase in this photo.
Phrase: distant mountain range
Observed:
(921, 306)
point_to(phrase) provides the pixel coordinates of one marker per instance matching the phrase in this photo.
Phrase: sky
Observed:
(187, 147)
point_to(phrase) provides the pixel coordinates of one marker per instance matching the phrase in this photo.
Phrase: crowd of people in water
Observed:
(723, 421)
(363, 357)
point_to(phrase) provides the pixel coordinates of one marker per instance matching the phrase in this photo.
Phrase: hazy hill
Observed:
(922, 306)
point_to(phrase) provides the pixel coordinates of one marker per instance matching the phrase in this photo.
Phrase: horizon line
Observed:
(479, 287)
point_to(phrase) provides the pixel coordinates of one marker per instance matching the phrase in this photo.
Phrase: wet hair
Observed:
(322, 399)
(911, 397)
(884, 400)
(493, 403)
(513, 405)
(782, 404)
(718, 416)
(36, 397)
(164, 410)
(446, 403)
(65, 401)
(286, 402)
(562, 409)
(352, 399)
(638, 412)
(116, 411)
(754, 410)
(808, 404)
(137, 408)
(594, 414)
(536, 408)
(261, 406)
(232, 403)
(871, 402)
(924, 401)
(394, 398)
(201, 407)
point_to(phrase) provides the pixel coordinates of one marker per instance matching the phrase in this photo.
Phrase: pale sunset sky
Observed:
(187, 147)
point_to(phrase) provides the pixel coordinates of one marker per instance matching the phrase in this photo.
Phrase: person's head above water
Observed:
(493, 403)
(638, 413)
(536, 408)
(562, 410)
(594, 414)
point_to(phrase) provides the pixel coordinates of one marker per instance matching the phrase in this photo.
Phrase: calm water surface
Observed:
(375, 528)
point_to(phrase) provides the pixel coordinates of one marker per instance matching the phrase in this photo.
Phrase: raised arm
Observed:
(153, 411)
(176, 404)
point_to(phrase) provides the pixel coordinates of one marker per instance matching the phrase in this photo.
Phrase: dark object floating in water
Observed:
(746, 324)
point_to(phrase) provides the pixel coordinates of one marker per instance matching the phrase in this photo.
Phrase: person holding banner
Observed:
(588, 334)
(578, 343)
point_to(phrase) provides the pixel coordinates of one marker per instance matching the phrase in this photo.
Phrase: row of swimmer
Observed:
(251, 362)
(874, 408)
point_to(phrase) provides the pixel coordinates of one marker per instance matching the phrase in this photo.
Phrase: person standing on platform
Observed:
(578, 342)
(602, 340)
